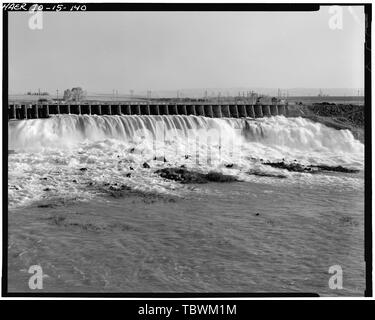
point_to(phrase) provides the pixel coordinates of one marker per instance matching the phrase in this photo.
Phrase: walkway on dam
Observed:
(35, 111)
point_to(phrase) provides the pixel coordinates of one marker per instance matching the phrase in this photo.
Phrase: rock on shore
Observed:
(297, 167)
(183, 175)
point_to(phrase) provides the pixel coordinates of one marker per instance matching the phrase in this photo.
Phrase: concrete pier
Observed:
(106, 109)
(172, 109)
(18, 114)
(233, 111)
(208, 111)
(225, 111)
(135, 109)
(75, 109)
(125, 109)
(154, 109)
(163, 109)
(281, 109)
(28, 112)
(216, 110)
(258, 111)
(54, 109)
(199, 110)
(190, 110)
(40, 112)
(250, 111)
(266, 111)
(241, 108)
(181, 109)
(145, 109)
(116, 109)
(274, 111)
(45, 111)
(96, 109)
(23, 111)
(34, 112)
(86, 109)
(12, 112)
(65, 109)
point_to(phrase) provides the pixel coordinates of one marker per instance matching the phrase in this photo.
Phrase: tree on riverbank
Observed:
(76, 94)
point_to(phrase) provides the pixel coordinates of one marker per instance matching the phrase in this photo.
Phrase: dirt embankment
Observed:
(338, 116)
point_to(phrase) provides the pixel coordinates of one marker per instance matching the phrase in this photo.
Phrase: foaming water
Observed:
(263, 233)
(49, 153)
(279, 134)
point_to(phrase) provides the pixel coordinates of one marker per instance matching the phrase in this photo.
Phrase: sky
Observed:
(106, 51)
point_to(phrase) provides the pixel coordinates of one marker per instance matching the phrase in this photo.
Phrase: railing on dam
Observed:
(35, 111)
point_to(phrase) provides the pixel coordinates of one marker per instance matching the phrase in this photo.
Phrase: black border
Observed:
(368, 152)
(4, 276)
(194, 7)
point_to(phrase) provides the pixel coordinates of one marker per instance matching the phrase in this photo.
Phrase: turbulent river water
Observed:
(86, 205)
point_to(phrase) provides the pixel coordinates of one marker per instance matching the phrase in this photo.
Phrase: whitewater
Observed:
(259, 232)
(109, 145)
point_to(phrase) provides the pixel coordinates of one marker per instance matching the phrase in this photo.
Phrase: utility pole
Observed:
(57, 94)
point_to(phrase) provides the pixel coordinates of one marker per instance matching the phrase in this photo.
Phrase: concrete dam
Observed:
(210, 110)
